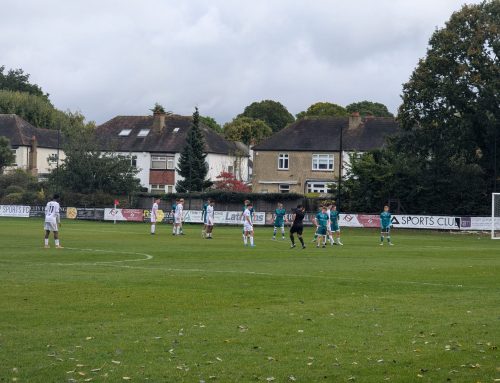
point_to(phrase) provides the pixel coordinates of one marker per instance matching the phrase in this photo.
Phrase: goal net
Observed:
(495, 216)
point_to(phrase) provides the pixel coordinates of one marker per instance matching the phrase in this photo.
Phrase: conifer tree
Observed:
(192, 165)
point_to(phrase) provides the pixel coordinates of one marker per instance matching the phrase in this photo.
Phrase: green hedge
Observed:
(224, 196)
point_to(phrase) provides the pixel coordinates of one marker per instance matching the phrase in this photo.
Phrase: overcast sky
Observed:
(118, 57)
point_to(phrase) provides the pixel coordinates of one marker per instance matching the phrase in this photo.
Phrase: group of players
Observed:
(326, 222)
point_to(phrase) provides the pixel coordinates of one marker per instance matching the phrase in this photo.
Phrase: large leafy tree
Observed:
(192, 164)
(323, 109)
(18, 81)
(6, 156)
(227, 182)
(211, 123)
(369, 108)
(247, 130)
(446, 154)
(273, 113)
(86, 169)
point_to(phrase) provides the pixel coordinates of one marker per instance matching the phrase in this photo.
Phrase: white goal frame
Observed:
(494, 196)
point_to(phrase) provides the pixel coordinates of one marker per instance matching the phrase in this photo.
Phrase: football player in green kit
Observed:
(279, 221)
(385, 225)
(334, 226)
(321, 221)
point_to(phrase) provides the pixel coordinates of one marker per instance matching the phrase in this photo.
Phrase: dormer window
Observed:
(124, 132)
(143, 133)
(176, 130)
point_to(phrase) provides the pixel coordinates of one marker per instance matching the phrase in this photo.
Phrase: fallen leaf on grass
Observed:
(292, 378)
(95, 370)
(242, 328)
(380, 361)
(89, 338)
(219, 359)
(271, 379)
(116, 362)
(127, 378)
(81, 373)
(70, 372)
(300, 331)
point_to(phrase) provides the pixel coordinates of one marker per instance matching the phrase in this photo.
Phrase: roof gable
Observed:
(20, 132)
(170, 139)
(323, 134)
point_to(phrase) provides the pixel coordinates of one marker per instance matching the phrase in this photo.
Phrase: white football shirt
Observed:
(52, 212)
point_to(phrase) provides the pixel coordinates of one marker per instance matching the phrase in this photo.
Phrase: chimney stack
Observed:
(33, 157)
(355, 120)
(159, 121)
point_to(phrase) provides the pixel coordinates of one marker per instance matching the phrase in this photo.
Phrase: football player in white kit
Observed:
(52, 220)
(178, 217)
(154, 215)
(248, 225)
(210, 218)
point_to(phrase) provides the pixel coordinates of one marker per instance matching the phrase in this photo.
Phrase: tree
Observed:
(17, 80)
(273, 113)
(444, 161)
(227, 182)
(86, 169)
(6, 156)
(247, 130)
(192, 165)
(369, 108)
(323, 109)
(211, 123)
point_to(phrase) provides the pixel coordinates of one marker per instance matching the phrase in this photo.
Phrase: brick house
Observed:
(305, 156)
(154, 144)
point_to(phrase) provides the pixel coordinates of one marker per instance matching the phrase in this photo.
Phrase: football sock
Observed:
(292, 239)
(274, 232)
(301, 241)
(245, 239)
(331, 240)
(381, 238)
(57, 242)
(251, 240)
(389, 239)
(46, 242)
(153, 228)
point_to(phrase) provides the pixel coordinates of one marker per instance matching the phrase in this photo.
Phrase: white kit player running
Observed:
(248, 225)
(178, 217)
(52, 220)
(154, 216)
(210, 219)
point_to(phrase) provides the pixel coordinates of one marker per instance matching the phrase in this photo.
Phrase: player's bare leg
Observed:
(47, 234)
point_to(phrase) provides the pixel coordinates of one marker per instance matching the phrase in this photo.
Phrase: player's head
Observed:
(181, 201)
(211, 202)
(300, 207)
(177, 200)
(323, 209)
(249, 204)
(334, 207)
(246, 202)
(280, 205)
(56, 197)
(157, 200)
(386, 208)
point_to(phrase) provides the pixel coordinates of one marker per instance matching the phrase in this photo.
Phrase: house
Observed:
(154, 144)
(305, 156)
(36, 150)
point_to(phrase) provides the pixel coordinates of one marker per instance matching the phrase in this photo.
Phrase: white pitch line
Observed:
(147, 257)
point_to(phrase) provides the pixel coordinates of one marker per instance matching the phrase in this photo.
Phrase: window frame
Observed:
(282, 158)
(318, 158)
(125, 132)
(143, 132)
(284, 188)
(313, 187)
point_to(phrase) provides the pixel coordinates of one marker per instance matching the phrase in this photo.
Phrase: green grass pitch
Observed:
(118, 304)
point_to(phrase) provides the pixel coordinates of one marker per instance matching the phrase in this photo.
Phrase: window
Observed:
(284, 188)
(230, 169)
(317, 187)
(52, 159)
(176, 130)
(133, 161)
(14, 162)
(143, 133)
(170, 163)
(283, 161)
(124, 132)
(322, 162)
(158, 188)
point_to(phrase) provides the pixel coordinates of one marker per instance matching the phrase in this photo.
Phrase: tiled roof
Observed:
(170, 139)
(20, 132)
(323, 134)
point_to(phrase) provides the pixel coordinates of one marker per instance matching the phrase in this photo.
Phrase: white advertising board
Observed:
(15, 211)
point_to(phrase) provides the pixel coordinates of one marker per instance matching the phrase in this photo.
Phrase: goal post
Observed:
(495, 216)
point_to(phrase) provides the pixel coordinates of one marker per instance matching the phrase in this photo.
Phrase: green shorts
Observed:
(321, 230)
(334, 228)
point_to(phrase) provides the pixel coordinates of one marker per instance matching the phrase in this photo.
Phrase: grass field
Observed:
(118, 304)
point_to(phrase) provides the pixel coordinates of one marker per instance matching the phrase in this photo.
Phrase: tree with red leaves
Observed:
(227, 181)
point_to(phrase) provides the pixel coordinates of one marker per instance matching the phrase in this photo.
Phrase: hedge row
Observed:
(228, 197)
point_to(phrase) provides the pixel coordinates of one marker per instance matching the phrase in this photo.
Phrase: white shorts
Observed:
(50, 226)
(178, 219)
(153, 219)
(247, 227)
(210, 221)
